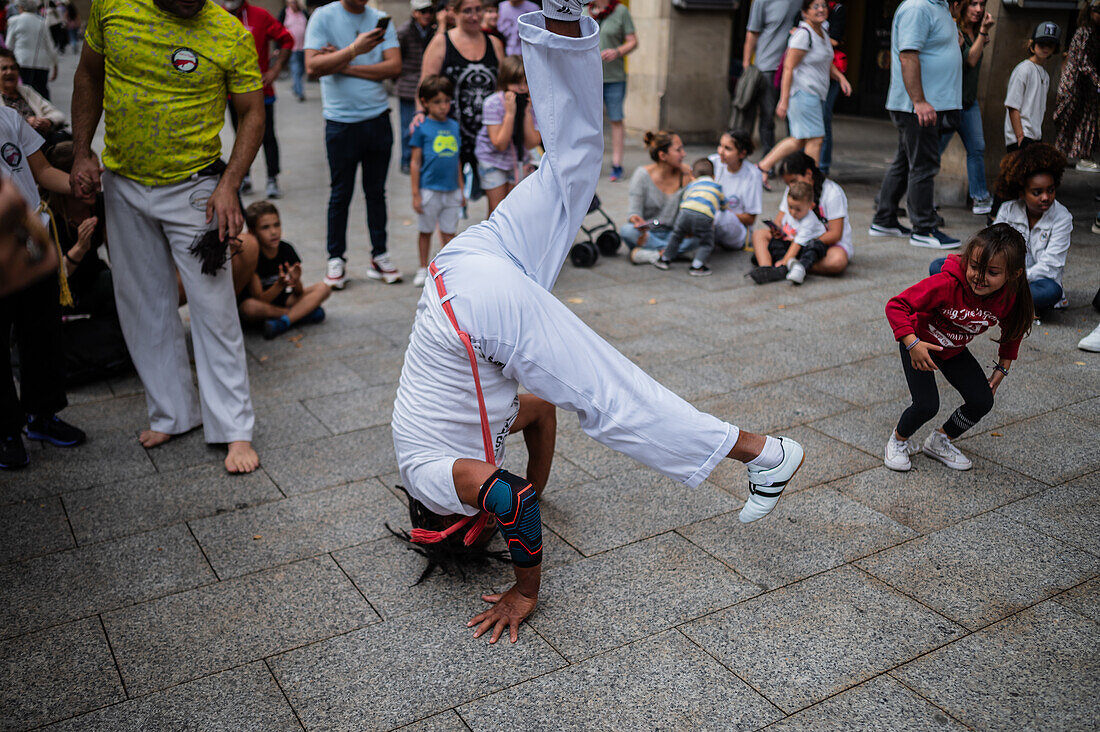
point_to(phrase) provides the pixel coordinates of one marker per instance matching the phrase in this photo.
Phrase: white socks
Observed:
(563, 9)
(770, 456)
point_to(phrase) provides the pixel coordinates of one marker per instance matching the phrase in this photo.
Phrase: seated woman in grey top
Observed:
(655, 194)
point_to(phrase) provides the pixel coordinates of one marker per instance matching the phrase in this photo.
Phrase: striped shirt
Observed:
(704, 196)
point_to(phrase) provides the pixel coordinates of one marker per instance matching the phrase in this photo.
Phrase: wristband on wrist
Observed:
(75, 262)
(911, 345)
(1000, 368)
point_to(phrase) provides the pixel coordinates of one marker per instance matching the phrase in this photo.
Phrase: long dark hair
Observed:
(1002, 239)
(799, 163)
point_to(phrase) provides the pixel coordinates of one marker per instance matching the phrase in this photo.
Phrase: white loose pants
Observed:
(498, 277)
(150, 229)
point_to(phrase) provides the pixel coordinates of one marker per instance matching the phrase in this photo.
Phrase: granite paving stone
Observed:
(56, 673)
(879, 705)
(33, 527)
(302, 526)
(1038, 669)
(564, 473)
(1027, 447)
(377, 367)
(1070, 512)
(931, 496)
(1084, 599)
(448, 721)
(772, 407)
(131, 506)
(663, 682)
(387, 572)
(308, 466)
(808, 532)
(807, 641)
(590, 456)
(862, 382)
(270, 382)
(244, 698)
(681, 583)
(367, 407)
(122, 413)
(869, 427)
(981, 570)
(394, 673)
(302, 347)
(64, 586)
(626, 507)
(213, 628)
(1051, 383)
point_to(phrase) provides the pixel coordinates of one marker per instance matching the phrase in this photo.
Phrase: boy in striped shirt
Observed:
(701, 202)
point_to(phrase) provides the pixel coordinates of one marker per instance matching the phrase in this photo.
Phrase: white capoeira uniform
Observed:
(497, 277)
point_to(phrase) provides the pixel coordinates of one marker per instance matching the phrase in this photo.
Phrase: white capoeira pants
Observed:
(150, 229)
(498, 277)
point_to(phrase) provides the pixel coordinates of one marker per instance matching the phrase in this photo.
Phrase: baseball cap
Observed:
(420, 4)
(1049, 32)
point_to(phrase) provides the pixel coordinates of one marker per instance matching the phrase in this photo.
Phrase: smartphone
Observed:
(771, 225)
(648, 225)
(383, 23)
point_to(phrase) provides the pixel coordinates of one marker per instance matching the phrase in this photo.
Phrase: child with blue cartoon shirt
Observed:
(435, 170)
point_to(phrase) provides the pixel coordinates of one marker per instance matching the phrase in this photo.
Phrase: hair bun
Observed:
(649, 138)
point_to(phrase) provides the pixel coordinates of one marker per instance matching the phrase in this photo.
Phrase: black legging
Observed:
(962, 372)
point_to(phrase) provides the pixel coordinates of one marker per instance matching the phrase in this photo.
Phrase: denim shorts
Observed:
(613, 94)
(805, 117)
(494, 177)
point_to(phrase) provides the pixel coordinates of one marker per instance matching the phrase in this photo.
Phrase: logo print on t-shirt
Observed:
(445, 145)
(185, 60)
(12, 155)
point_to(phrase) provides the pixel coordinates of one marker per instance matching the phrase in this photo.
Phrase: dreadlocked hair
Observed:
(799, 163)
(452, 555)
(1003, 240)
(1018, 167)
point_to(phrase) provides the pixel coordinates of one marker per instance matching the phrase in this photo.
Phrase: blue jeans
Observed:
(368, 143)
(1045, 293)
(970, 130)
(297, 71)
(657, 239)
(407, 108)
(827, 112)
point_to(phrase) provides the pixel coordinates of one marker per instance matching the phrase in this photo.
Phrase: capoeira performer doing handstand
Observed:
(487, 324)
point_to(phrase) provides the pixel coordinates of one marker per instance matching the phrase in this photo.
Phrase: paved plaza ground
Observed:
(147, 590)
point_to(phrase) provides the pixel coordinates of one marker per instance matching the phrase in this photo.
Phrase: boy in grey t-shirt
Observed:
(1026, 96)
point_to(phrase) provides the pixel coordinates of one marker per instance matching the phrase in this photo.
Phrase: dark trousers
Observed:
(36, 316)
(827, 112)
(766, 101)
(368, 143)
(915, 166)
(36, 79)
(271, 145)
(407, 108)
(964, 373)
(691, 224)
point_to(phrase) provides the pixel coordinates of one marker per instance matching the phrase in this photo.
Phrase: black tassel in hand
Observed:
(212, 251)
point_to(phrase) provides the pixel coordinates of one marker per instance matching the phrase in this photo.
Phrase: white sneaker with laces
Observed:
(381, 268)
(982, 206)
(641, 255)
(766, 485)
(1091, 342)
(898, 452)
(336, 276)
(796, 272)
(1088, 166)
(938, 446)
(1062, 304)
(420, 277)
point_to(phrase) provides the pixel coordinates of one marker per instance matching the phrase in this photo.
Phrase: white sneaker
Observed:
(1088, 166)
(272, 190)
(796, 273)
(765, 486)
(336, 276)
(934, 239)
(381, 268)
(938, 447)
(982, 206)
(898, 452)
(420, 277)
(1091, 342)
(1062, 304)
(641, 255)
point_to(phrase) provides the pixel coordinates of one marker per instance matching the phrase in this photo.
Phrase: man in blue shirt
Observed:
(352, 56)
(925, 96)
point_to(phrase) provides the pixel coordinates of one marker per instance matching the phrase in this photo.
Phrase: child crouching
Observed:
(701, 202)
(275, 296)
(935, 319)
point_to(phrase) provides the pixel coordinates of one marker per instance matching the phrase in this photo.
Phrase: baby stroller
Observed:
(603, 238)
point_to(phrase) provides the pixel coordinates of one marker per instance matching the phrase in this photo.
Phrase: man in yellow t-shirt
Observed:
(160, 72)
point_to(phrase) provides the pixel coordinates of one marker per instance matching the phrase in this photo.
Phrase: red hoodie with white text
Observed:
(942, 309)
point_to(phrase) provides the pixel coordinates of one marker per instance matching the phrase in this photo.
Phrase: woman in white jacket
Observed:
(45, 118)
(29, 37)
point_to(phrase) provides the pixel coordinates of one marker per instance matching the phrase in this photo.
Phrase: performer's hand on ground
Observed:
(225, 204)
(508, 611)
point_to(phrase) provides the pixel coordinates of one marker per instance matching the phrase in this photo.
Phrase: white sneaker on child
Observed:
(766, 485)
(420, 277)
(898, 452)
(796, 272)
(641, 255)
(938, 446)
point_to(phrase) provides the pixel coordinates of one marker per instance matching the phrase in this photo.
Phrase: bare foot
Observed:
(241, 458)
(152, 438)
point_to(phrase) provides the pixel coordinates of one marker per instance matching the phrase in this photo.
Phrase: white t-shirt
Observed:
(834, 205)
(743, 190)
(1027, 92)
(812, 73)
(18, 141)
(803, 230)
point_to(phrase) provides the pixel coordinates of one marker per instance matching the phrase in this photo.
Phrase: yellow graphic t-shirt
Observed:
(166, 83)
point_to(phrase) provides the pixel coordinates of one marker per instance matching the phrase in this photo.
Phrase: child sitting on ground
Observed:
(435, 171)
(275, 296)
(777, 248)
(508, 131)
(829, 253)
(701, 202)
(935, 319)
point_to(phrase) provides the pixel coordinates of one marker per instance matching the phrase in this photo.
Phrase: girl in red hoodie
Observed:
(936, 318)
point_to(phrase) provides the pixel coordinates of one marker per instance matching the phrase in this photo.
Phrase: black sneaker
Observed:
(701, 271)
(893, 229)
(55, 431)
(764, 275)
(13, 453)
